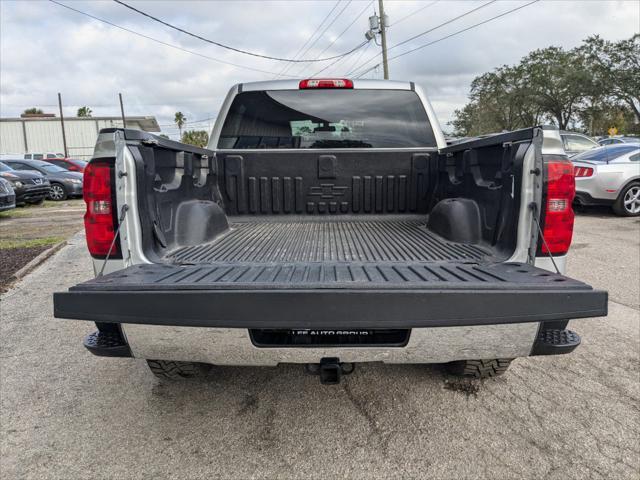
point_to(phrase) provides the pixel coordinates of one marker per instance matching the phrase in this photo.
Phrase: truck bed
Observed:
(258, 240)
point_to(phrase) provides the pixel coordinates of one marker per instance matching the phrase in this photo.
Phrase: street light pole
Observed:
(383, 37)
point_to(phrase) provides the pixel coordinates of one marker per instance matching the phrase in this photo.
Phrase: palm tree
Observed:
(180, 120)
(84, 112)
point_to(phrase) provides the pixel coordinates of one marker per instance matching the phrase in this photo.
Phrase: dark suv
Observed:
(30, 187)
(63, 182)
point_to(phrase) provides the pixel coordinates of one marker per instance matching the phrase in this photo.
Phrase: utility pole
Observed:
(64, 135)
(383, 38)
(124, 122)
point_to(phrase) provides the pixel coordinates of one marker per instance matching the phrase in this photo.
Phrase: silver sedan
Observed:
(609, 175)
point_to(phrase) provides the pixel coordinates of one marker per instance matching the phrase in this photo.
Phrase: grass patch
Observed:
(6, 243)
(28, 209)
(16, 213)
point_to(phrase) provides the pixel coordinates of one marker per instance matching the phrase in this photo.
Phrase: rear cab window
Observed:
(332, 118)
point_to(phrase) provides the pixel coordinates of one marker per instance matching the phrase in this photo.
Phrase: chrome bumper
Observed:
(230, 346)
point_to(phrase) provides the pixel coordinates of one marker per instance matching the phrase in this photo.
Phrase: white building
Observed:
(42, 134)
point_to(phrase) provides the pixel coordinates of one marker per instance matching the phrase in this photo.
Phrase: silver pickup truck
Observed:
(326, 224)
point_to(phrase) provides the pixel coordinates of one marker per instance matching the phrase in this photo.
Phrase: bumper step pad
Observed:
(555, 342)
(107, 344)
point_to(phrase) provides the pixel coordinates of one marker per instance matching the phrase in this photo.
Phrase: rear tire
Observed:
(173, 370)
(628, 202)
(479, 368)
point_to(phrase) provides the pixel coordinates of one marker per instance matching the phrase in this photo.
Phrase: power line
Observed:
(426, 32)
(190, 122)
(356, 60)
(414, 13)
(288, 65)
(348, 27)
(325, 31)
(355, 19)
(234, 49)
(163, 42)
(450, 35)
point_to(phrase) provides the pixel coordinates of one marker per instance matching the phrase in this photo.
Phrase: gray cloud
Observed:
(45, 49)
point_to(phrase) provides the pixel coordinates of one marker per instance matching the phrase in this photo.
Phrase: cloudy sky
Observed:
(46, 48)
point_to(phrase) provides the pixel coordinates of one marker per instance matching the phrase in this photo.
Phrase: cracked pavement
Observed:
(67, 414)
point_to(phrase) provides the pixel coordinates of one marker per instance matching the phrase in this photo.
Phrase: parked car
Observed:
(29, 187)
(575, 143)
(618, 140)
(326, 216)
(42, 156)
(71, 164)
(7, 195)
(609, 175)
(63, 182)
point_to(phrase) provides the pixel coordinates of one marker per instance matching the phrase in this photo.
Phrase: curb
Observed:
(40, 259)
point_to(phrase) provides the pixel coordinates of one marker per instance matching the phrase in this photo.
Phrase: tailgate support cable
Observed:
(534, 207)
(123, 213)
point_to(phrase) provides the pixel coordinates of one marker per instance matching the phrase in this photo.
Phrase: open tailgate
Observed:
(330, 296)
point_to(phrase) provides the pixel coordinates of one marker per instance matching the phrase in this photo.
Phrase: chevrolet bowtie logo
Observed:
(327, 190)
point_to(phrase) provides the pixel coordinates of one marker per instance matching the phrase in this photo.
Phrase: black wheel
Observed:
(173, 370)
(57, 192)
(479, 368)
(628, 202)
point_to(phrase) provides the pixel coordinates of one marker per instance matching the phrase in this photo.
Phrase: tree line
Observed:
(590, 88)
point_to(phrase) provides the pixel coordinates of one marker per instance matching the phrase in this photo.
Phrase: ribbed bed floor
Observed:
(398, 240)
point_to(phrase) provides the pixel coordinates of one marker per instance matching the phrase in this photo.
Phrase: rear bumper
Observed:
(586, 199)
(455, 312)
(232, 346)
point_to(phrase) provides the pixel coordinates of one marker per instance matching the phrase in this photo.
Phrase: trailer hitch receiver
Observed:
(330, 370)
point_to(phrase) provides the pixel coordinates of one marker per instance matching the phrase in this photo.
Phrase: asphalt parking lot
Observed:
(67, 414)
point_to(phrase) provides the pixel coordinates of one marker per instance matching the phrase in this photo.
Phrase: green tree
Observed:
(616, 66)
(180, 120)
(499, 100)
(84, 112)
(586, 88)
(33, 111)
(199, 138)
(558, 82)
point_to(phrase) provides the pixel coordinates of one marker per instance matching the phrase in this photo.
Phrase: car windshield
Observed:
(5, 168)
(577, 143)
(606, 153)
(327, 119)
(47, 167)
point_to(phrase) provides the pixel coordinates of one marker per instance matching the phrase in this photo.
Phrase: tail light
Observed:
(100, 218)
(325, 83)
(582, 171)
(560, 188)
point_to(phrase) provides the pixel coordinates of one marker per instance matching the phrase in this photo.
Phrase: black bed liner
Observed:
(330, 295)
(380, 239)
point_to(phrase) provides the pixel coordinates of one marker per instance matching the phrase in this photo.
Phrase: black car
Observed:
(29, 187)
(63, 182)
(7, 195)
